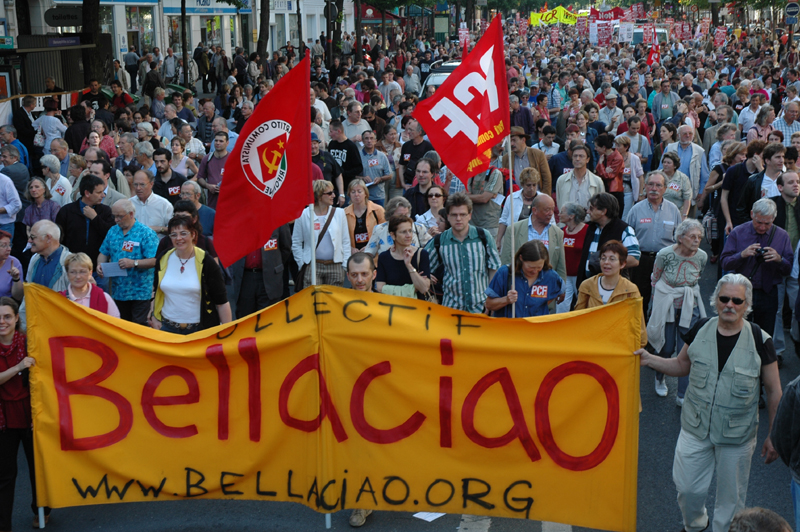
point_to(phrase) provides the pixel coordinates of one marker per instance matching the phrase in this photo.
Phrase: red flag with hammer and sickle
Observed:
(268, 173)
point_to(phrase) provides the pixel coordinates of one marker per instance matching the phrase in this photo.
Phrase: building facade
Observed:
(146, 24)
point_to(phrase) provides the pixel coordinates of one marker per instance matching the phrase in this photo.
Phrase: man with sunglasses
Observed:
(724, 358)
(761, 251)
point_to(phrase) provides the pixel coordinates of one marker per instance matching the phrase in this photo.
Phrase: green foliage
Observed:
(238, 4)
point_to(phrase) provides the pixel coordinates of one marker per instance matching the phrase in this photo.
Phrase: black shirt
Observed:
(360, 232)
(93, 99)
(330, 168)
(347, 155)
(410, 154)
(394, 272)
(725, 345)
(171, 190)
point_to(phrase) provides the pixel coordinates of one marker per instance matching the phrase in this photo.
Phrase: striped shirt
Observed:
(629, 240)
(787, 130)
(465, 268)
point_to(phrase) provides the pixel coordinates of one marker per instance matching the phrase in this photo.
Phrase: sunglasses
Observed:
(436, 195)
(736, 300)
(329, 193)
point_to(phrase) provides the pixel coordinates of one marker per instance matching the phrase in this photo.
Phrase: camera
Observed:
(760, 254)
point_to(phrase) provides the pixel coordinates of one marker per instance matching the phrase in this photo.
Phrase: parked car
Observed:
(439, 72)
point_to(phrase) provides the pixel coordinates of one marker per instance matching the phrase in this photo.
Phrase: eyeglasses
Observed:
(329, 193)
(181, 234)
(5, 246)
(437, 195)
(725, 300)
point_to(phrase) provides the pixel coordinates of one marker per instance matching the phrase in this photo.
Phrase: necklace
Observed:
(183, 262)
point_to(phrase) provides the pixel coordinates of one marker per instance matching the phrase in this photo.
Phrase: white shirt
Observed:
(196, 146)
(181, 291)
(769, 187)
(61, 190)
(154, 212)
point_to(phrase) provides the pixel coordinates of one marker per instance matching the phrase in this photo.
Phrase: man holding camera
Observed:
(762, 252)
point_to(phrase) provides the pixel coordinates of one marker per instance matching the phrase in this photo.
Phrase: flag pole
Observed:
(313, 247)
(511, 220)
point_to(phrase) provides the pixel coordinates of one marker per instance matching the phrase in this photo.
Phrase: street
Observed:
(657, 507)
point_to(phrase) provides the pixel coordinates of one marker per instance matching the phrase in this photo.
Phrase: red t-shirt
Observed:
(573, 249)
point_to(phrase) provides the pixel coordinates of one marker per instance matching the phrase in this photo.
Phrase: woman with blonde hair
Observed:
(763, 124)
(79, 271)
(332, 237)
(362, 215)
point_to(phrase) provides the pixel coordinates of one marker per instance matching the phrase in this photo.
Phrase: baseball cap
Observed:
(314, 137)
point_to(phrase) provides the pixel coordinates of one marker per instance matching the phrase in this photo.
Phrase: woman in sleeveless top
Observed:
(180, 162)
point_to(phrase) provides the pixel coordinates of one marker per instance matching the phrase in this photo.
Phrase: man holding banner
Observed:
(725, 358)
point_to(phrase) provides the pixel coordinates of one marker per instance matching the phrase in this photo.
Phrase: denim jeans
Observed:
(9, 228)
(796, 503)
(673, 343)
(166, 327)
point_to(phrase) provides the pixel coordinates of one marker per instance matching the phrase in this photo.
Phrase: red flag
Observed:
(653, 57)
(468, 113)
(268, 172)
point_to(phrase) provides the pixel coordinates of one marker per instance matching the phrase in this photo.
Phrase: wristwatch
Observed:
(136, 264)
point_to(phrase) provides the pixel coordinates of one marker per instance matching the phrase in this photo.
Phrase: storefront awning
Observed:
(372, 15)
(416, 11)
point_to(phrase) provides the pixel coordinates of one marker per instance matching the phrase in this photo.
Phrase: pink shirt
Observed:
(113, 311)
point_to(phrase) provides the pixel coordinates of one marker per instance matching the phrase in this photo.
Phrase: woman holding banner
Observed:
(190, 293)
(16, 424)
(535, 284)
(609, 286)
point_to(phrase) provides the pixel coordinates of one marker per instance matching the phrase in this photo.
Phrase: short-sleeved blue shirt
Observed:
(140, 243)
(531, 299)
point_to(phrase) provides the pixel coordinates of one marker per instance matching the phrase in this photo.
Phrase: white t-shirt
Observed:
(769, 187)
(325, 248)
(605, 295)
(181, 291)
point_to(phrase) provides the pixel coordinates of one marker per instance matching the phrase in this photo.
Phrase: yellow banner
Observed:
(338, 399)
(555, 15)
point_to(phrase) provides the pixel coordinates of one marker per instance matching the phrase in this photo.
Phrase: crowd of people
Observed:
(621, 168)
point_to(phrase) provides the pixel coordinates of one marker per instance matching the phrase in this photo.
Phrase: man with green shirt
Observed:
(468, 254)
(787, 218)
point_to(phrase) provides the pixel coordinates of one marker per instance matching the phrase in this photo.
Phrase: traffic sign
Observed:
(791, 20)
(792, 9)
(693, 8)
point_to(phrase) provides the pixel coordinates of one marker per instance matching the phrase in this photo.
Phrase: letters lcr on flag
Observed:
(469, 112)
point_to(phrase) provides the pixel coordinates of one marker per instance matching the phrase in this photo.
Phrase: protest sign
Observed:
(339, 399)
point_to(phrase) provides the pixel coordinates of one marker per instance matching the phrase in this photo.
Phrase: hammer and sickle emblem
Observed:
(272, 166)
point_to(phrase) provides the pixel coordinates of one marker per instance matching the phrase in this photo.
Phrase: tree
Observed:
(301, 44)
(92, 57)
(23, 9)
(184, 45)
(359, 52)
(263, 30)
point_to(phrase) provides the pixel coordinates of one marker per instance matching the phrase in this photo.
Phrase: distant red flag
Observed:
(468, 113)
(268, 173)
(653, 57)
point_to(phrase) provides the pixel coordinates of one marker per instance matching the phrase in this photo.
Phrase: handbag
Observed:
(39, 139)
(301, 275)
(711, 226)
(428, 296)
